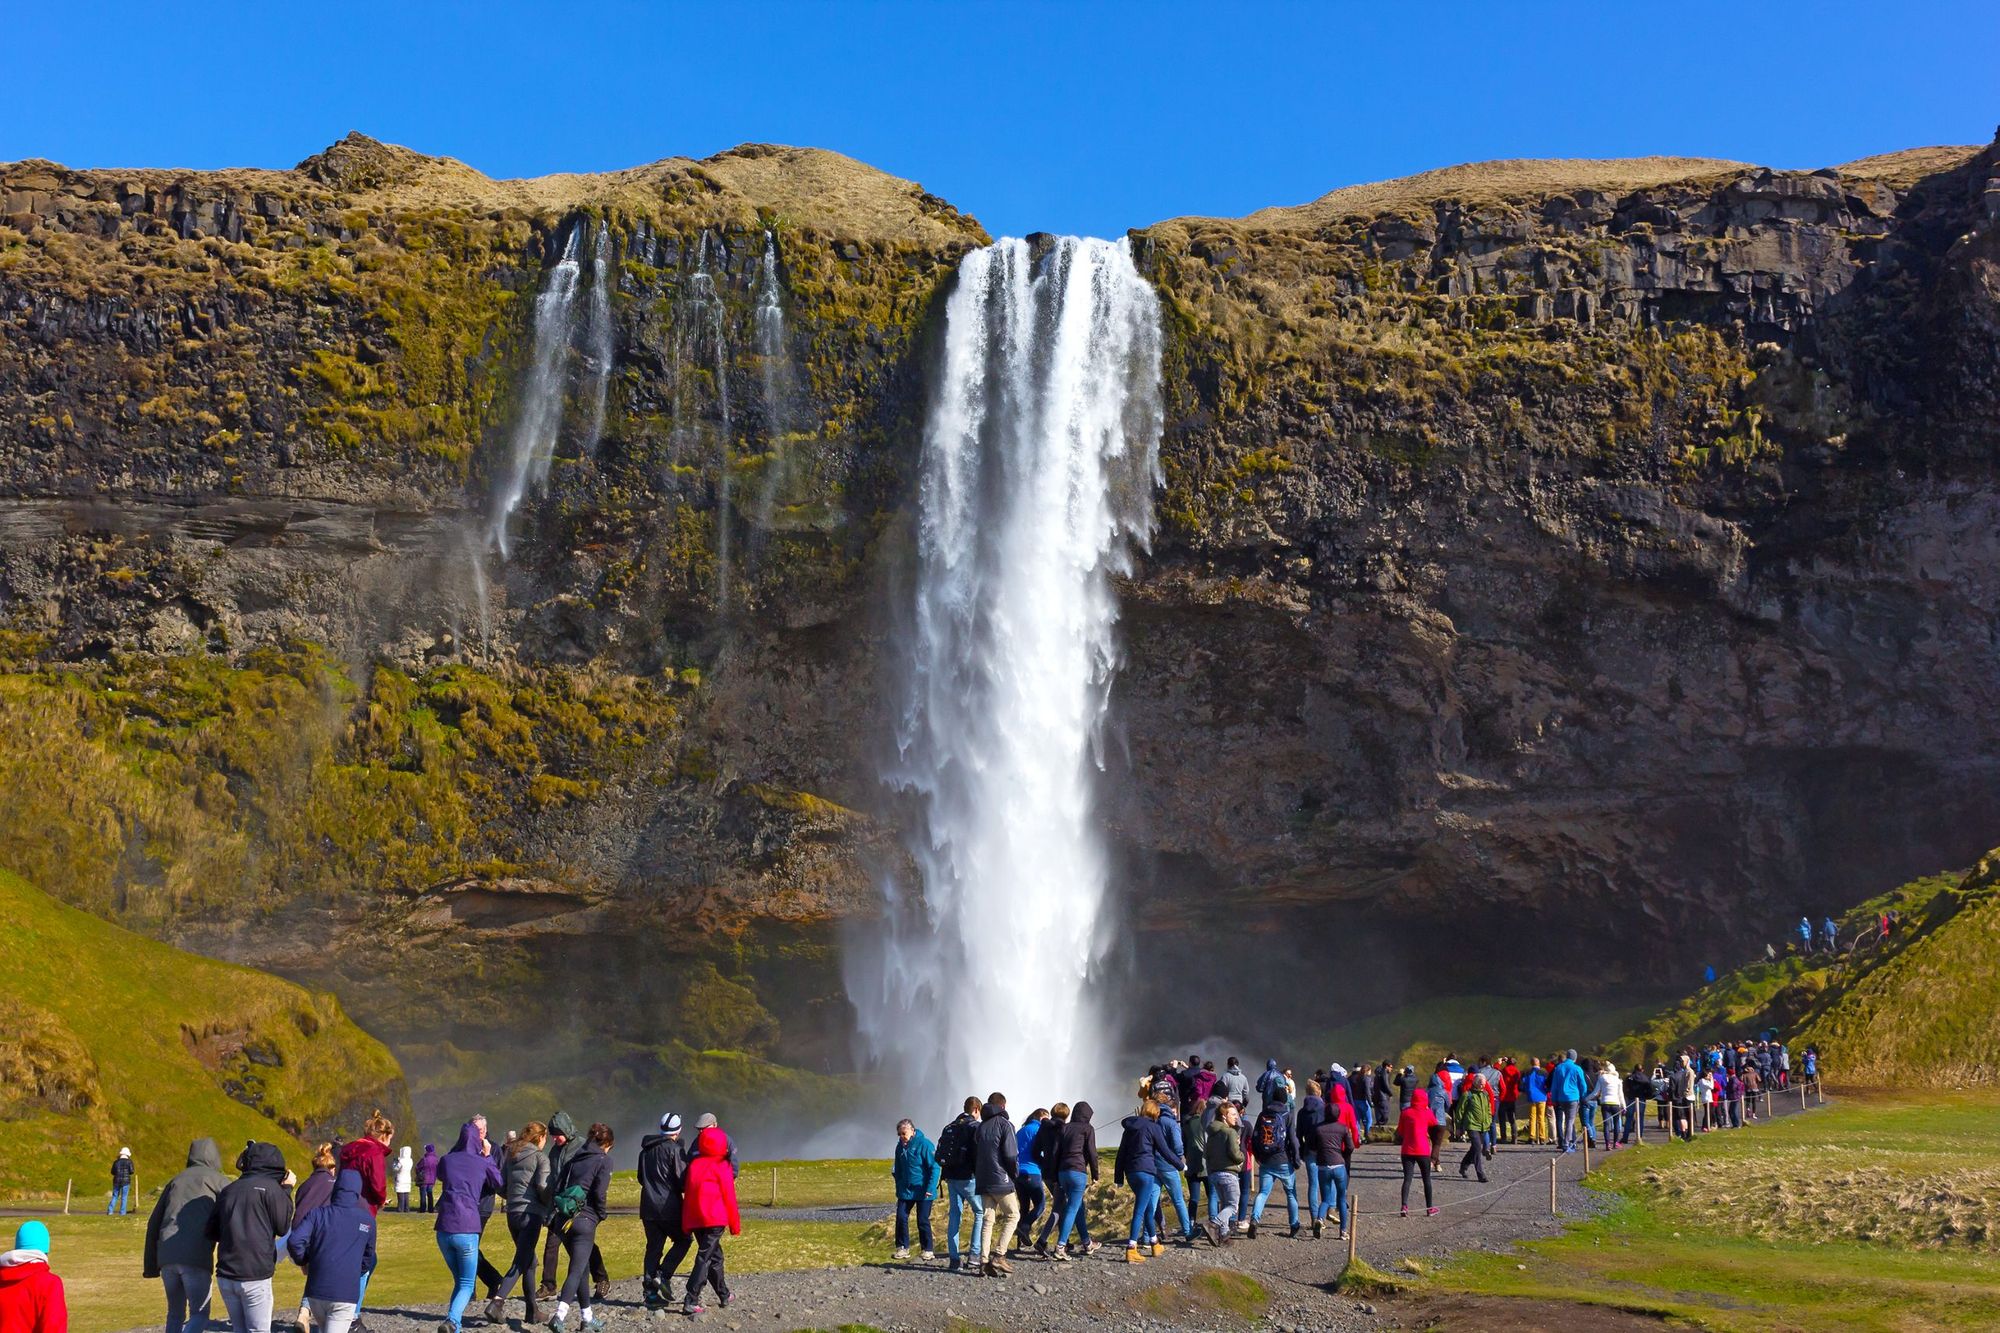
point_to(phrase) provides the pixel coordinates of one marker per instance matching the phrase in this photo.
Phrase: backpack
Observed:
(1267, 1139)
(568, 1201)
(954, 1148)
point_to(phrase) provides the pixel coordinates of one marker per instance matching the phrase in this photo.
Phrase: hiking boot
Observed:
(1000, 1266)
(601, 1290)
(902, 1252)
(1315, 1228)
(1132, 1255)
(1294, 1233)
(1042, 1248)
(1158, 1249)
(545, 1293)
(1253, 1228)
(496, 1311)
(1214, 1232)
(987, 1269)
(957, 1262)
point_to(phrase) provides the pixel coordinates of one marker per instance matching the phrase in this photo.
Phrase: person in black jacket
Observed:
(564, 1143)
(250, 1214)
(956, 1167)
(1075, 1172)
(662, 1175)
(121, 1183)
(996, 1162)
(589, 1172)
(178, 1250)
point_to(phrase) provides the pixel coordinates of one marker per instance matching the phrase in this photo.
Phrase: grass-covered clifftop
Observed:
(1917, 1012)
(114, 1040)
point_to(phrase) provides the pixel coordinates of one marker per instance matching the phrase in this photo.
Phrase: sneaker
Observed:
(1430, 1212)
(1059, 1258)
(1315, 1228)
(447, 1328)
(1214, 1232)
(901, 1253)
(692, 1310)
(1093, 1247)
(1406, 1212)
(986, 1269)
(496, 1311)
(556, 1325)
(1295, 1231)
(957, 1262)
(601, 1291)
(1132, 1255)
(593, 1325)
(1042, 1248)
(1253, 1228)
(930, 1255)
(728, 1299)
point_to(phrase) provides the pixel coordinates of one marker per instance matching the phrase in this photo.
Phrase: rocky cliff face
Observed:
(1572, 553)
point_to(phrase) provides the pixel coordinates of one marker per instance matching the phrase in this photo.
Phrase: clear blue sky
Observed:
(1079, 117)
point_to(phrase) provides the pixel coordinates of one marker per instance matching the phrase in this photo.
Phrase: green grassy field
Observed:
(1874, 1214)
(113, 1040)
(799, 1184)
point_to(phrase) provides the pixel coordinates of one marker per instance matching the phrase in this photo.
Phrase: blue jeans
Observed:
(964, 1196)
(1332, 1192)
(361, 1297)
(1145, 1193)
(121, 1200)
(922, 1208)
(1071, 1186)
(1171, 1188)
(1565, 1113)
(461, 1256)
(1268, 1176)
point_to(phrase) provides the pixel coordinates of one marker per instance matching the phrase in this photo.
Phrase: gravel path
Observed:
(1103, 1292)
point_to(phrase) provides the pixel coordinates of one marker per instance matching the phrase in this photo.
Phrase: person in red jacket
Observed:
(1413, 1135)
(31, 1297)
(1509, 1129)
(368, 1156)
(708, 1204)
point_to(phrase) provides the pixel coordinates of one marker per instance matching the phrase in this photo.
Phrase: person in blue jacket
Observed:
(335, 1244)
(1832, 933)
(1535, 1089)
(1805, 934)
(1029, 1186)
(1567, 1087)
(916, 1175)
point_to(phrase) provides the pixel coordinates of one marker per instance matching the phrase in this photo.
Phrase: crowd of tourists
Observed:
(1193, 1142)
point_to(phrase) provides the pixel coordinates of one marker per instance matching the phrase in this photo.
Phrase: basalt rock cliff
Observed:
(1600, 555)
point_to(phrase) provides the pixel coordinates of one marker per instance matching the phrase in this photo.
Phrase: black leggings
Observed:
(707, 1266)
(657, 1236)
(581, 1243)
(526, 1231)
(555, 1246)
(1412, 1165)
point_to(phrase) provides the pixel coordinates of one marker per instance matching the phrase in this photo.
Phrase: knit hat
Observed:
(32, 1236)
(670, 1123)
(705, 1121)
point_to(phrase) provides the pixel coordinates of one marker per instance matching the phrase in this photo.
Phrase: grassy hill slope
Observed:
(1917, 1012)
(113, 1039)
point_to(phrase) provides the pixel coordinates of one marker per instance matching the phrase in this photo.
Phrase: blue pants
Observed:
(461, 1256)
(121, 1200)
(1365, 1113)
(1171, 1188)
(361, 1297)
(1071, 1185)
(1145, 1193)
(1332, 1192)
(1268, 1176)
(964, 1196)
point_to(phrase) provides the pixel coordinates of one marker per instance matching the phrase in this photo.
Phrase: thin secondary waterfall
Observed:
(541, 411)
(1040, 456)
(774, 371)
(700, 327)
(597, 350)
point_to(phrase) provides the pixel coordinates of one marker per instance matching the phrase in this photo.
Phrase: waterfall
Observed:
(541, 411)
(774, 370)
(597, 350)
(1040, 455)
(707, 321)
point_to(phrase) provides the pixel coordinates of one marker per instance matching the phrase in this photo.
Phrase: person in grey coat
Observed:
(178, 1249)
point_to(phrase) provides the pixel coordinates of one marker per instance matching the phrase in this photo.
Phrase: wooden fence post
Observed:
(1553, 1212)
(1586, 1148)
(774, 1187)
(67, 1188)
(1353, 1226)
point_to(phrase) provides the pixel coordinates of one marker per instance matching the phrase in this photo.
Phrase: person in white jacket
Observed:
(1610, 1094)
(406, 1168)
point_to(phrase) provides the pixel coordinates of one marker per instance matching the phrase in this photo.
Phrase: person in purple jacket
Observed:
(466, 1174)
(427, 1179)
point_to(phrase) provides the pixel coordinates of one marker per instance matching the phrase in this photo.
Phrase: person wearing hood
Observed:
(31, 1295)
(1408, 1085)
(915, 1171)
(313, 1192)
(585, 1193)
(1203, 1082)
(707, 1206)
(1328, 1150)
(467, 1175)
(1047, 1152)
(1610, 1094)
(996, 1165)
(1414, 1136)
(1169, 1161)
(1029, 1187)
(1381, 1092)
(335, 1244)
(1306, 1122)
(178, 1249)
(524, 1177)
(1438, 1094)
(405, 1177)
(1076, 1171)
(662, 1178)
(249, 1215)
(121, 1183)
(1270, 1083)
(427, 1179)
(1535, 1091)
(564, 1143)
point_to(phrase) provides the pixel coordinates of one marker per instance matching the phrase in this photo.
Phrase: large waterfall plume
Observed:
(1040, 456)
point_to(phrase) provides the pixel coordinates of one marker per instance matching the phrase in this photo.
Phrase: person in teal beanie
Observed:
(31, 1296)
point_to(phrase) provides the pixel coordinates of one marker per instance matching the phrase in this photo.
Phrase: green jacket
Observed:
(1223, 1150)
(1473, 1111)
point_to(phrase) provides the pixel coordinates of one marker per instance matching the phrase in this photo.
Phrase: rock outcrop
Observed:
(1588, 556)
